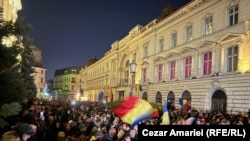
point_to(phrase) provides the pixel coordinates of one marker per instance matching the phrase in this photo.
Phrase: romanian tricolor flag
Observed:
(165, 117)
(133, 110)
(155, 113)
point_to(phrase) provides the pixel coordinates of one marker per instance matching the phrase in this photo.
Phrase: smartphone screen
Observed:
(41, 115)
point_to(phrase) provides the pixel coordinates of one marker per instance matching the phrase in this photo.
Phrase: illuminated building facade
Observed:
(197, 54)
(66, 83)
(9, 9)
(39, 75)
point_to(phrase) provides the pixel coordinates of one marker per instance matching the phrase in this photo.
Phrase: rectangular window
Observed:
(172, 70)
(208, 25)
(174, 40)
(189, 33)
(72, 87)
(144, 75)
(73, 80)
(145, 51)
(188, 67)
(126, 76)
(233, 15)
(232, 59)
(161, 45)
(160, 72)
(207, 63)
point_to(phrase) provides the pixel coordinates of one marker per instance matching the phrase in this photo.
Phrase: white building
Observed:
(199, 53)
(10, 9)
(40, 72)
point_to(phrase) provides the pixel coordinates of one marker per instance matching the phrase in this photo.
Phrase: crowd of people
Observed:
(43, 120)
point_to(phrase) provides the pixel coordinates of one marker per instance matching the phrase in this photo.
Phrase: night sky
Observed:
(70, 32)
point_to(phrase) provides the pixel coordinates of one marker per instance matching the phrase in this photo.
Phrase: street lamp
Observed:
(132, 71)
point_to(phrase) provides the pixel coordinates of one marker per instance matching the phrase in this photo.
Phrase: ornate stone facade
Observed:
(198, 54)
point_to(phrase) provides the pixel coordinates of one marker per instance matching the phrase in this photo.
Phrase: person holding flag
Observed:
(165, 117)
(133, 110)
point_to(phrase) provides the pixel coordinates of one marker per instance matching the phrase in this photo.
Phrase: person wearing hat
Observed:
(24, 131)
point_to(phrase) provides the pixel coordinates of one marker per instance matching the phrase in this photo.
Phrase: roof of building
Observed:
(92, 61)
(68, 70)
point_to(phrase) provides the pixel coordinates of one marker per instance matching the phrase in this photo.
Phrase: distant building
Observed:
(9, 9)
(8, 12)
(66, 83)
(40, 73)
(197, 54)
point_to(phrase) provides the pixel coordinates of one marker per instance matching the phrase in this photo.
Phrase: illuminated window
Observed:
(172, 70)
(232, 58)
(207, 63)
(208, 25)
(160, 69)
(188, 67)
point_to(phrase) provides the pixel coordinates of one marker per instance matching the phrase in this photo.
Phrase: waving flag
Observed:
(134, 110)
(155, 113)
(165, 118)
(100, 96)
(189, 121)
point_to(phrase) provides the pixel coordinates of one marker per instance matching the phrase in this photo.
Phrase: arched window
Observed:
(158, 98)
(145, 96)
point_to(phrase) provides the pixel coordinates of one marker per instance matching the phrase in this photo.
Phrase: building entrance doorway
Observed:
(219, 101)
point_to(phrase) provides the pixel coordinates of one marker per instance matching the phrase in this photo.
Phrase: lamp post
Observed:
(132, 71)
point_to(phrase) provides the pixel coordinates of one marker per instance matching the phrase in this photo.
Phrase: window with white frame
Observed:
(232, 59)
(187, 67)
(144, 75)
(189, 33)
(207, 63)
(145, 51)
(208, 25)
(159, 72)
(174, 39)
(161, 45)
(172, 70)
(233, 15)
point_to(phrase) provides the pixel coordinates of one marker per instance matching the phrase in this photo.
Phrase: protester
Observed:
(84, 120)
(10, 136)
(24, 131)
